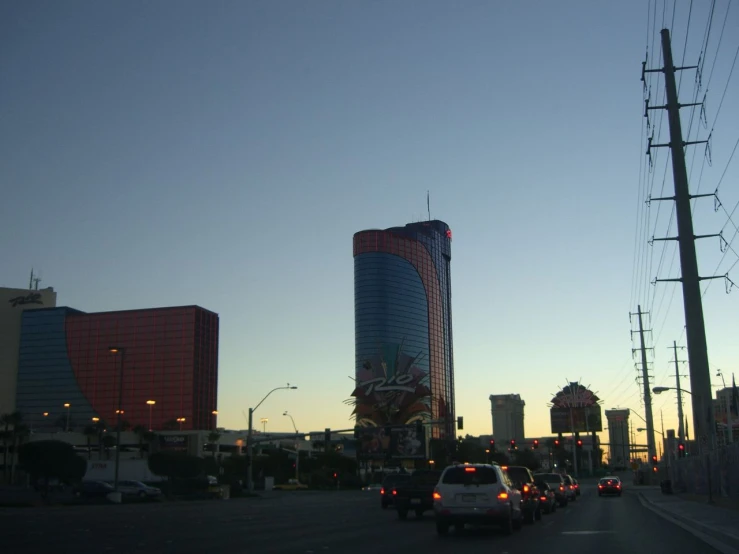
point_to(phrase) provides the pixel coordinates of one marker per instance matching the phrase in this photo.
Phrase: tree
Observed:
(528, 458)
(175, 465)
(141, 432)
(213, 438)
(90, 432)
(108, 443)
(9, 420)
(51, 459)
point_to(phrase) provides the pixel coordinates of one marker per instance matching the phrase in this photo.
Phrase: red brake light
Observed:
(382, 491)
(525, 488)
(600, 486)
(437, 496)
(561, 488)
(395, 492)
(543, 498)
(470, 470)
(503, 496)
(504, 468)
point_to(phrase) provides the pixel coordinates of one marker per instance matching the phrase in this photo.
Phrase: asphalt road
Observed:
(325, 522)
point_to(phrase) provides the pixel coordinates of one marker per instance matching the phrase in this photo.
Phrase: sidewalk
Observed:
(715, 525)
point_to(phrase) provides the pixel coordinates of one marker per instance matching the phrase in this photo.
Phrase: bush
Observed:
(51, 460)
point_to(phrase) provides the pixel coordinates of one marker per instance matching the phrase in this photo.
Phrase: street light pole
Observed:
(151, 405)
(119, 411)
(250, 442)
(297, 451)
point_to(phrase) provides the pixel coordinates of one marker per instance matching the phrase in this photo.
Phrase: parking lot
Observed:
(345, 521)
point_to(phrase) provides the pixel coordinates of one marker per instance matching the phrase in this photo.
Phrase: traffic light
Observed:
(327, 436)
(680, 450)
(556, 443)
(579, 443)
(513, 444)
(460, 423)
(492, 444)
(536, 443)
(655, 461)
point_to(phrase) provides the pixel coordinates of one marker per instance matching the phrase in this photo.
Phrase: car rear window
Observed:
(549, 477)
(470, 475)
(608, 481)
(519, 474)
(395, 479)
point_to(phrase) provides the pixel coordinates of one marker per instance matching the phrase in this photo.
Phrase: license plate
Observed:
(415, 500)
(469, 497)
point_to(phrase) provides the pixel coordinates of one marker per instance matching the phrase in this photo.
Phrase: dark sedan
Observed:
(609, 485)
(547, 497)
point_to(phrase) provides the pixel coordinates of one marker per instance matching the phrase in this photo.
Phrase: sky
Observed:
(223, 154)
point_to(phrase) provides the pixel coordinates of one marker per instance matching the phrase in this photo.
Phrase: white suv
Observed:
(479, 494)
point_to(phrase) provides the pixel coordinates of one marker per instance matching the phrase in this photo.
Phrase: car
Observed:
(577, 486)
(547, 497)
(291, 485)
(480, 494)
(557, 483)
(388, 484)
(610, 485)
(93, 489)
(570, 488)
(523, 480)
(139, 489)
(417, 494)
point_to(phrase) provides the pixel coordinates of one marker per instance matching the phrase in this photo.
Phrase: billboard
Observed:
(374, 443)
(174, 443)
(584, 419)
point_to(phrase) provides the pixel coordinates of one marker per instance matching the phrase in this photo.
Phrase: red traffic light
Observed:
(492, 442)
(334, 475)
(536, 443)
(681, 447)
(556, 442)
(513, 442)
(579, 442)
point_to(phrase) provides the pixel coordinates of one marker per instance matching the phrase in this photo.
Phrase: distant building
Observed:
(508, 415)
(67, 375)
(404, 363)
(13, 302)
(724, 417)
(618, 437)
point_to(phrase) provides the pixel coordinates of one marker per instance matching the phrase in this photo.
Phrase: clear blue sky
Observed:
(223, 154)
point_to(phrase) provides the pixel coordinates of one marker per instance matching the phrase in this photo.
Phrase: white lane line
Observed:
(587, 532)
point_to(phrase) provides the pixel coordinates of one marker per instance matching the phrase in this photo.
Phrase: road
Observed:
(325, 522)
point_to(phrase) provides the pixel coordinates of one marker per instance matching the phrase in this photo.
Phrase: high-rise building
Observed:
(403, 325)
(13, 302)
(618, 437)
(167, 372)
(508, 414)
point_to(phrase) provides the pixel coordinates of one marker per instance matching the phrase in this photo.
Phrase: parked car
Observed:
(547, 497)
(523, 480)
(479, 494)
(557, 483)
(417, 493)
(138, 489)
(388, 484)
(610, 485)
(92, 489)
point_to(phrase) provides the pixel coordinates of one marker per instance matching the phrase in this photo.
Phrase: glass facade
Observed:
(170, 357)
(402, 297)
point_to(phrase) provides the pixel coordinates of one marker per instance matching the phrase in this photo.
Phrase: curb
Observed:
(699, 530)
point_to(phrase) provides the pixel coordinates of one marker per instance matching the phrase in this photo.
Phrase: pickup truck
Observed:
(417, 494)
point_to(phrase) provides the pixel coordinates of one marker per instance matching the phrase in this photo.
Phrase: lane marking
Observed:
(587, 532)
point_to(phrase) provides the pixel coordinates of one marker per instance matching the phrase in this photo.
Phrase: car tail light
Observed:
(382, 491)
(543, 498)
(437, 495)
(395, 492)
(526, 488)
(470, 470)
(600, 486)
(571, 487)
(618, 486)
(503, 496)
(561, 488)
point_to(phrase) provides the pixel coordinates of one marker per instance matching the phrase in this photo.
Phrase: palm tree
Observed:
(108, 443)
(213, 438)
(100, 427)
(140, 431)
(20, 433)
(9, 420)
(89, 432)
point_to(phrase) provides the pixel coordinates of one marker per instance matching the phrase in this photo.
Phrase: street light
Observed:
(659, 390)
(264, 421)
(66, 427)
(151, 406)
(118, 412)
(297, 451)
(181, 420)
(249, 442)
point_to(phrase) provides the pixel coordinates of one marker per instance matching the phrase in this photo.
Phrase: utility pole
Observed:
(652, 450)
(695, 328)
(680, 429)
